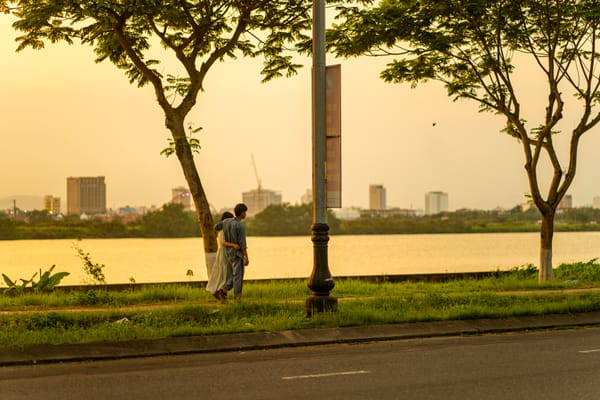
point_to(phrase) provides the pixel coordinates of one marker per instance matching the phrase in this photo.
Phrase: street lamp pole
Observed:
(320, 281)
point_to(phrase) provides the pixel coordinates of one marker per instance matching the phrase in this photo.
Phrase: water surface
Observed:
(168, 260)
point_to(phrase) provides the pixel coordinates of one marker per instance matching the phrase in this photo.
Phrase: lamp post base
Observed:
(320, 281)
(319, 304)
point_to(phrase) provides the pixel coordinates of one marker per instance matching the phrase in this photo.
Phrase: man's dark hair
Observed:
(239, 209)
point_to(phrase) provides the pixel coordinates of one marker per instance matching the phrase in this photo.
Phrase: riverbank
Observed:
(97, 314)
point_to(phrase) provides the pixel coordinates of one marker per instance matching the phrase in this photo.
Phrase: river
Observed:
(168, 260)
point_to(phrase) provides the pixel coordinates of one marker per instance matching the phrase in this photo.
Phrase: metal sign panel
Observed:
(333, 129)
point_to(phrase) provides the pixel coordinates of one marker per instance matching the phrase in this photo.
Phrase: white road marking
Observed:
(590, 351)
(325, 375)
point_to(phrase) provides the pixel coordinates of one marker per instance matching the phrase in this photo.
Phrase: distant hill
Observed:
(25, 203)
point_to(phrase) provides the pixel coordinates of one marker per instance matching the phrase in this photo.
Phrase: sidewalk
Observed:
(45, 354)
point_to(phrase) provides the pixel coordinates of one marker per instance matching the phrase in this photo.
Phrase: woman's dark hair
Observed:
(226, 215)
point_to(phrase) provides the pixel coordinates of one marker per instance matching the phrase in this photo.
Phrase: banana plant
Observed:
(48, 281)
(15, 286)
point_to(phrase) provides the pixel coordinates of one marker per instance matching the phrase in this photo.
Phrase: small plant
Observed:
(48, 280)
(92, 269)
(189, 274)
(15, 286)
(46, 283)
(580, 271)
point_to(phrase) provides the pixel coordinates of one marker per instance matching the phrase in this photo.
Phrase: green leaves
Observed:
(469, 44)
(8, 281)
(94, 271)
(178, 86)
(47, 282)
(189, 141)
(197, 33)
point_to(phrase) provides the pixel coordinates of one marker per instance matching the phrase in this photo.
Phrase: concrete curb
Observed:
(46, 354)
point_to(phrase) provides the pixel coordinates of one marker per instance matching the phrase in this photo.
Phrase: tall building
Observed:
(86, 195)
(52, 204)
(376, 197)
(566, 202)
(436, 202)
(259, 199)
(596, 202)
(306, 198)
(181, 195)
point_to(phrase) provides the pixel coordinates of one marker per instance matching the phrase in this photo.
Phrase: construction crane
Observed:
(258, 182)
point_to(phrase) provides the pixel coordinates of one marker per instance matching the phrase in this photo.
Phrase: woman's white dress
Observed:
(217, 273)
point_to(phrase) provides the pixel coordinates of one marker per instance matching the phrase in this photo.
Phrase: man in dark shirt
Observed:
(234, 231)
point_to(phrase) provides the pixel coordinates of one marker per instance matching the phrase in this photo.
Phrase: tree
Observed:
(474, 48)
(286, 220)
(198, 33)
(7, 227)
(281, 220)
(39, 216)
(170, 221)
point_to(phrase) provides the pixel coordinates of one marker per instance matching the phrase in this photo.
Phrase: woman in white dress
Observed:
(217, 275)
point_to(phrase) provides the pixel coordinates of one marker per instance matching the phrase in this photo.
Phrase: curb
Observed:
(48, 354)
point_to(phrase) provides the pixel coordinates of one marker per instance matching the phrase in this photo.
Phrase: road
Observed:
(541, 365)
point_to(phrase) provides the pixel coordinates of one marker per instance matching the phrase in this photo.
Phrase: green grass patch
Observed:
(161, 311)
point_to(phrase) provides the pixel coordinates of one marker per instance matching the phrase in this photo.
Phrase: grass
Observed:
(160, 311)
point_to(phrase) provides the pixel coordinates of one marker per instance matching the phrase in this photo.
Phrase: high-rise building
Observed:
(306, 198)
(259, 199)
(181, 195)
(52, 204)
(566, 202)
(436, 202)
(596, 202)
(377, 197)
(86, 195)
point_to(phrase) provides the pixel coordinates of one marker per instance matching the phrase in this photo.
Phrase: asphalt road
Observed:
(563, 364)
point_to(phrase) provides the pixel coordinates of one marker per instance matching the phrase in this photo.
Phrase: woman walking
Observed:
(217, 275)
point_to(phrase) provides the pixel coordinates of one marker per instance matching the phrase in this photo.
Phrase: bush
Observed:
(580, 271)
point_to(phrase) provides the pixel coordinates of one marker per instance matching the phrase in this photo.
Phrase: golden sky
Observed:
(63, 115)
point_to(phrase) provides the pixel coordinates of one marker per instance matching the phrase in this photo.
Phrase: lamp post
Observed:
(320, 281)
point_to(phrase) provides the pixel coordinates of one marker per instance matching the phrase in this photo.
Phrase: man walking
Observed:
(234, 231)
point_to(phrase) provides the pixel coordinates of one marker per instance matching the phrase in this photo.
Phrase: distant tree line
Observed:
(286, 220)
(292, 220)
(473, 221)
(170, 221)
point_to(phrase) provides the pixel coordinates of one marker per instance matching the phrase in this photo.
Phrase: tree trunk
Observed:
(203, 214)
(546, 233)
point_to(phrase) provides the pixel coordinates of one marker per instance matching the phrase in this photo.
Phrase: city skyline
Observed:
(434, 201)
(75, 117)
